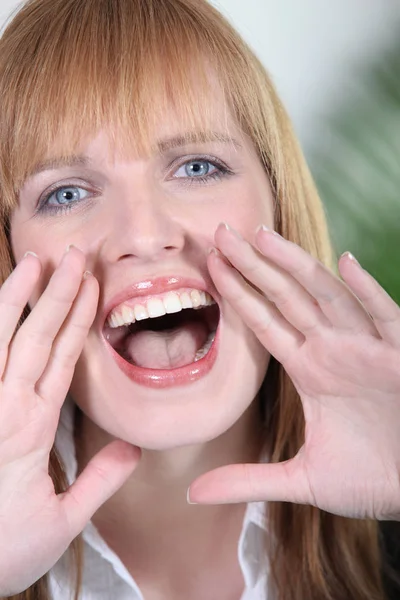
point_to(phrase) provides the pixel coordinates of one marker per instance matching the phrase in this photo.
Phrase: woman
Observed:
(190, 350)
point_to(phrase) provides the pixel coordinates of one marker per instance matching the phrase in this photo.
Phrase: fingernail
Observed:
(68, 248)
(214, 250)
(268, 230)
(351, 257)
(188, 497)
(219, 255)
(87, 274)
(229, 228)
(30, 253)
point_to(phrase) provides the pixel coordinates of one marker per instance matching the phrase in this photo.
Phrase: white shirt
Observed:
(104, 575)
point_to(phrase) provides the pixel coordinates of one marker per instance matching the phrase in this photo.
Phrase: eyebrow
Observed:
(162, 146)
(195, 137)
(74, 160)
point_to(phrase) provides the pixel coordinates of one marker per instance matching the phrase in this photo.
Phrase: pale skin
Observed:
(145, 224)
(343, 356)
(351, 395)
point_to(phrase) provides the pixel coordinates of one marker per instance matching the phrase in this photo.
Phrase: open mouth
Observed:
(172, 333)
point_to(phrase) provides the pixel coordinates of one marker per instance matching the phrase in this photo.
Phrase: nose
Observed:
(143, 229)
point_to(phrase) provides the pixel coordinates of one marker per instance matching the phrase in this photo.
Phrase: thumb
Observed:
(284, 481)
(101, 478)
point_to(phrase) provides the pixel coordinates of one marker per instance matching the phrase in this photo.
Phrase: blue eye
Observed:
(65, 196)
(198, 169)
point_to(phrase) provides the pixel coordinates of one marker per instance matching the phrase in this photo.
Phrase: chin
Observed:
(187, 405)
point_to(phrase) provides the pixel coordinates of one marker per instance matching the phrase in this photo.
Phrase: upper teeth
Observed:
(173, 302)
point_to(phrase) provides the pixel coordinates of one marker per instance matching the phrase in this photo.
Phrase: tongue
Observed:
(168, 349)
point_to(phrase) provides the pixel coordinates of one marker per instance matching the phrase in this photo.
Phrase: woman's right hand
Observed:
(36, 367)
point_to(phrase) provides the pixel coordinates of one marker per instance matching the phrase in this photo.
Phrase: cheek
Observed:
(43, 239)
(247, 208)
(49, 241)
(25, 237)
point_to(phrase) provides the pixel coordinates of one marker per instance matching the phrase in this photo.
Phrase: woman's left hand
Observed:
(340, 345)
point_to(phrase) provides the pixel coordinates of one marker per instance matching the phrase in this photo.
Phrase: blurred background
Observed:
(336, 66)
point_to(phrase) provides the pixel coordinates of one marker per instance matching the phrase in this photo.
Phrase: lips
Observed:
(142, 292)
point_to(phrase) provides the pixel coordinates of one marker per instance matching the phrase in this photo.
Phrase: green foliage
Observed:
(358, 171)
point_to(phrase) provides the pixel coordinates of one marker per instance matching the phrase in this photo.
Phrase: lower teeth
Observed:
(203, 351)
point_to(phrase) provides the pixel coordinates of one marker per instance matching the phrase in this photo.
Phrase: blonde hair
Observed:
(69, 68)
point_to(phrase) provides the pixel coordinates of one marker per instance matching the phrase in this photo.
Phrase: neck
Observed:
(148, 521)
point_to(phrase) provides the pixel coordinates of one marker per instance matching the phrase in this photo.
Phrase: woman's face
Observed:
(146, 226)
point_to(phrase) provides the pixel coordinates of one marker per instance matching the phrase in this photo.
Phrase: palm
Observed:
(36, 367)
(345, 366)
(39, 547)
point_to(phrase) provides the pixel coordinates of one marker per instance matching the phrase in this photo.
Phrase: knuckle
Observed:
(263, 326)
(253, 267)
(281, 297)
(101, 473)
(7, 304)
(251, 481)
(67, 360)
(330, 297)
(38, 339)
(371, 297)
(80, 327)
(302, 268)
(66, 356)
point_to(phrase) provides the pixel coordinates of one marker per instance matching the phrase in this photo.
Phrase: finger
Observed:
(14, 296)
(337, 302)
(284, 482)
(68, 345)
(270, 327)
(383, 310)
(30, 349)
(100, 479)
(292, 300)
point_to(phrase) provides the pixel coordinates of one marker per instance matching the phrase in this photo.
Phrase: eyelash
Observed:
(223, 171)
